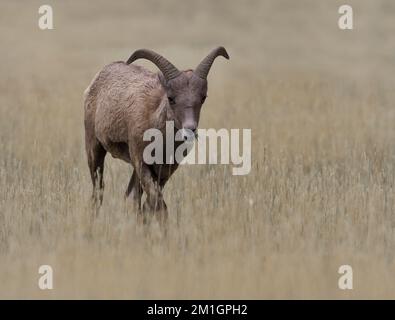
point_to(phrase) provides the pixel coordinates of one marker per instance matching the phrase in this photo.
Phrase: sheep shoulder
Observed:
(123, 99)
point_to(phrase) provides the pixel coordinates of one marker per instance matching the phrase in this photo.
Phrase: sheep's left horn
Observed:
(167, 68)
(203, 68)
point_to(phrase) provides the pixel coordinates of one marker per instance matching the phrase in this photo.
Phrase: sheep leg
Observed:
(153, 190)
(96, 156)
(154, 202)
(134, 190)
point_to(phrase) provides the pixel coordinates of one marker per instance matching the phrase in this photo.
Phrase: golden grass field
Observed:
(319, 101)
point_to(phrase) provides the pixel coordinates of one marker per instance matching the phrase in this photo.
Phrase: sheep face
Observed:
(186, 95)
(186, 91)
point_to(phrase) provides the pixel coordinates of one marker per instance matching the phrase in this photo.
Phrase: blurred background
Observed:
(319, 101)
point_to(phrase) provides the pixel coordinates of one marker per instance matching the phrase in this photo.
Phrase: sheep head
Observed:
(186, 90)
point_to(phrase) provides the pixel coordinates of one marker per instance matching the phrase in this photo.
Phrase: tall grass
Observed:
(320, 193)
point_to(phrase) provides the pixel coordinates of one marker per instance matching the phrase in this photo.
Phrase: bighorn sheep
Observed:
(123, 101)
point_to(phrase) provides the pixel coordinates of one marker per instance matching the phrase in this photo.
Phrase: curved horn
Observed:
(203, 68)
(168, 69)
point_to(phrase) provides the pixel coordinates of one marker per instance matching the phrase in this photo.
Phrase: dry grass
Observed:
(320, 193)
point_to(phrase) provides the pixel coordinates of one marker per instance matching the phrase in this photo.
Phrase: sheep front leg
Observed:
(134, 191)
(154, 202)
(153, 190)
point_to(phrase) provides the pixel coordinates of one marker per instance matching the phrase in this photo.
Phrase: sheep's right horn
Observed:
(168, 69)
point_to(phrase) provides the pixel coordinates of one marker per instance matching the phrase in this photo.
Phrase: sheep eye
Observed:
(204, 99)
(172, 100)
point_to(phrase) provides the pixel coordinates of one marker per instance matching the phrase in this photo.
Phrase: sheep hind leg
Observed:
(96, 156)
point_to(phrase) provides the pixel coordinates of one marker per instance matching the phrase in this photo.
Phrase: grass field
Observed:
(319, 101)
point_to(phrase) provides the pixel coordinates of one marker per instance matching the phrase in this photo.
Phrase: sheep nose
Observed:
(188, 134)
